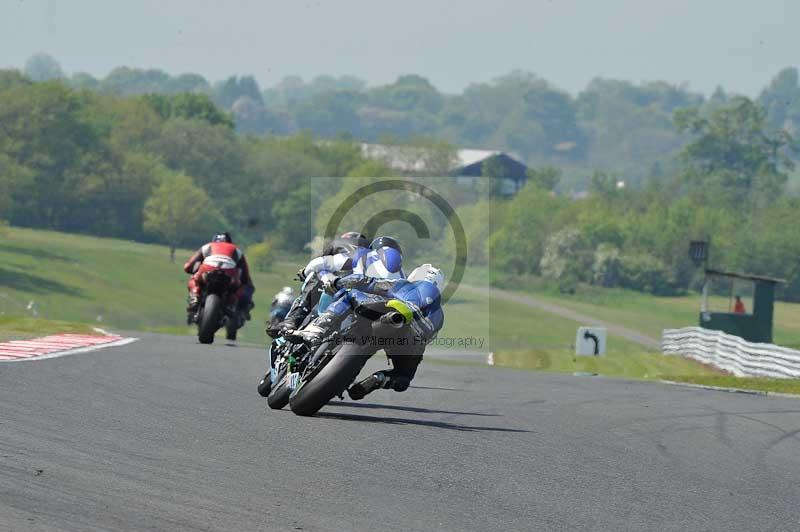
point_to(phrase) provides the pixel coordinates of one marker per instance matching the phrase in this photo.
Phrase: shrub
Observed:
(606, 270)
(567, 258)
(261, 256)
(647, 273)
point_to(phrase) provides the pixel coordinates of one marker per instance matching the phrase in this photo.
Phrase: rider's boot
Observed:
(301, 307)
(379, 379)
(191, 309)
(313, 333)
(290, 322)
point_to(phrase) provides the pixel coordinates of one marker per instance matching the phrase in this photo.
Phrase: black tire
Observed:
(210, 317)
(231, 327)
(279, 395)
(331, 380)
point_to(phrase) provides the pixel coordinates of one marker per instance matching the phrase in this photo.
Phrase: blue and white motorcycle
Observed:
(285, 358)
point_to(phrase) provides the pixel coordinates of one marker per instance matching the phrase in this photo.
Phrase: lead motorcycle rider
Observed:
(421, 293)
(202, 261)
(383, 258)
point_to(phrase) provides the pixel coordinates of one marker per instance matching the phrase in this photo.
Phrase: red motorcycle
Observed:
(218, 299)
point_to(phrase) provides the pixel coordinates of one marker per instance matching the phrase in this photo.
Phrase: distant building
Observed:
(514, 173)
(468, 166)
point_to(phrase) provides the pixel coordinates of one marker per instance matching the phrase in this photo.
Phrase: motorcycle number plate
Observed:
(294, 380)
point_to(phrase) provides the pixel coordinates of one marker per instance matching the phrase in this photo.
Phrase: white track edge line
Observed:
(745, 391)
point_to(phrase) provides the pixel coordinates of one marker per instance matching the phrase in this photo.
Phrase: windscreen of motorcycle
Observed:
(220, 261)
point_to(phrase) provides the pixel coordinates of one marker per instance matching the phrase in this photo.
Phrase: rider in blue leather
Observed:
(420, 293)
(340, 254)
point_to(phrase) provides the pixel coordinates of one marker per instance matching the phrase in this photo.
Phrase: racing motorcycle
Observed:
(328, 370)
(307, 378)
(284, 357)
(214, 311)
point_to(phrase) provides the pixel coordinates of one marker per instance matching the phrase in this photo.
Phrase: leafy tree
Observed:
(188, 105)
(518, 243)
(129, 81)
(781, 100)
(83, 80)
(16, 183)
(226, 93)
(189, 82)
(10, 79)
(546, 177)
(44, 130)
(330, 113)
(735, 155)
(179, 211)
(409, 92)
(277, 180)
(42, 67)
(210, 154)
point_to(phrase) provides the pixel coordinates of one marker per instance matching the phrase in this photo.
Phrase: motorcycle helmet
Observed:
(287, 290)
(346, 243)
(427, 272)
(386, 242)
(223, 237)
(389, 253)
(355, 238)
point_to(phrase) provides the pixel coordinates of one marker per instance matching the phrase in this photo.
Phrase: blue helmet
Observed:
(386, 242)
(389, 253)
(391, 259)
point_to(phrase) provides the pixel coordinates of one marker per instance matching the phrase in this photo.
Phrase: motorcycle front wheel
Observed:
(279, 395)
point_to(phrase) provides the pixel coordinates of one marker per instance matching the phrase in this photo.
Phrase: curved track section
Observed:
(166, 434)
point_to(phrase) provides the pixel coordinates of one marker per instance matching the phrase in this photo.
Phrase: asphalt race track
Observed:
(166, 434)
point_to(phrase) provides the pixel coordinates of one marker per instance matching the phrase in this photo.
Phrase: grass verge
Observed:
(790, 386)
(23, 328)
(651, 314)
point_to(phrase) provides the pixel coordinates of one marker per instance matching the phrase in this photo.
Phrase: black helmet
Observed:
(346, 243)
(222, 237)
(355, 238)
(386, 242)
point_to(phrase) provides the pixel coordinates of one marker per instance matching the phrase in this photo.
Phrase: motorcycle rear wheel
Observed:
(210, 318)
(330, 381)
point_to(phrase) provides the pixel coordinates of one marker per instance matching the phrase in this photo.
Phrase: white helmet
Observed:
(288, 290)
(427, 272)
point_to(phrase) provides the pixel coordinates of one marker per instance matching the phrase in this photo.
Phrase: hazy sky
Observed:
(739, 44)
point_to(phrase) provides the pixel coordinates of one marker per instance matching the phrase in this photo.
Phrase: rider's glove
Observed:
(329, 283)
(301, 274)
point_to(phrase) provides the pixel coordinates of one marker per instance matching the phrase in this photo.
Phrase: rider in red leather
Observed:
(220, 254)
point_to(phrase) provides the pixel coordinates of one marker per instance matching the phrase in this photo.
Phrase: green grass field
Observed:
(73, 282)
(22, 328)
(107, 282)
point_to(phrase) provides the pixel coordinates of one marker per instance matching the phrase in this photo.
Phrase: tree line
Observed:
(153, 167)
(171, 168)
(729, 186)
(615, 126)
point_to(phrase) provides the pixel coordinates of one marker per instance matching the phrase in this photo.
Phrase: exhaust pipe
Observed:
(393, 319)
